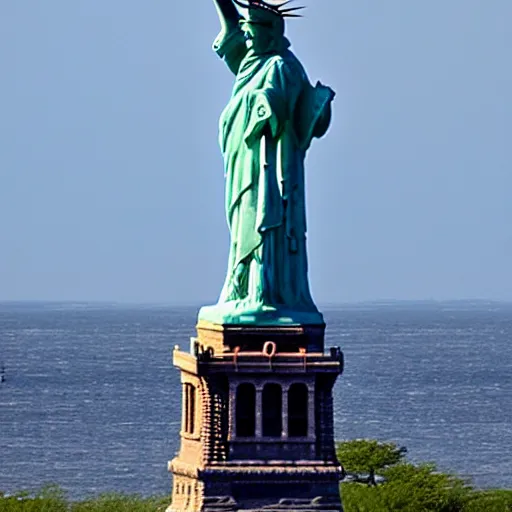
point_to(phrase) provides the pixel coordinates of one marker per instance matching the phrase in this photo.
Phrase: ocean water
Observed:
(91, 400)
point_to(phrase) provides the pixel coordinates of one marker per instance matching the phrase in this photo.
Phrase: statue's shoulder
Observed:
(290, 65)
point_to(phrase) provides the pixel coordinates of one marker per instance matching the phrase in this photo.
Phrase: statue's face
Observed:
(258, 35)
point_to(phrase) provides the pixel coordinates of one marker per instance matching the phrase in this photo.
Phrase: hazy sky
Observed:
(111, 180)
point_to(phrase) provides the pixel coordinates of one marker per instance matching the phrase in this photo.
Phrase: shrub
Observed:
(50, 498)
(421, 488)
(489, 501)
(121, 503)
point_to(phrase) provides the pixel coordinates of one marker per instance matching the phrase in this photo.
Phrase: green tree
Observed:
(368, 454)
(408, 488)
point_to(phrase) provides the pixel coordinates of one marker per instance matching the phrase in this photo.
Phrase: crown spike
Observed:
(290, 9)
(274, 7)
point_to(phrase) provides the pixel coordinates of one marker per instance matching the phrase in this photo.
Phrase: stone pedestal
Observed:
(257, 423)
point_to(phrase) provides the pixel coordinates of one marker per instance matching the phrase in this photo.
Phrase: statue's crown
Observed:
(276, 7)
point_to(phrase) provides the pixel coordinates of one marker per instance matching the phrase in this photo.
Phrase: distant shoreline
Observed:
(323, 306)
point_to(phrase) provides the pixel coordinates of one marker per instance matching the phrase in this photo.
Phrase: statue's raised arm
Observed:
(230, 43)
(228, 14)
(265, 130)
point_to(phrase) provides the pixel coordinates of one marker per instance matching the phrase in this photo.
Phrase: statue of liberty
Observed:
(265, 130)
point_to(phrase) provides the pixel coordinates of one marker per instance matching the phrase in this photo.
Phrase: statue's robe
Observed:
(271, 118)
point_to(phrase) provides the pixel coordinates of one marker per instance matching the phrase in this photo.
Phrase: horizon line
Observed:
(198, 304)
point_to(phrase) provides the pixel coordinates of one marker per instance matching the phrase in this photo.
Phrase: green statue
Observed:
(265, 130)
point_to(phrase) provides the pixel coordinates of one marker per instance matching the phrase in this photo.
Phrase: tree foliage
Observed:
(409, 487)
(368, 455)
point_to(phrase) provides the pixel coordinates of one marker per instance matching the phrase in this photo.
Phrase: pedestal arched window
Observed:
(298, 410)
(190, 408)
(272, 410)
(245, 410)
